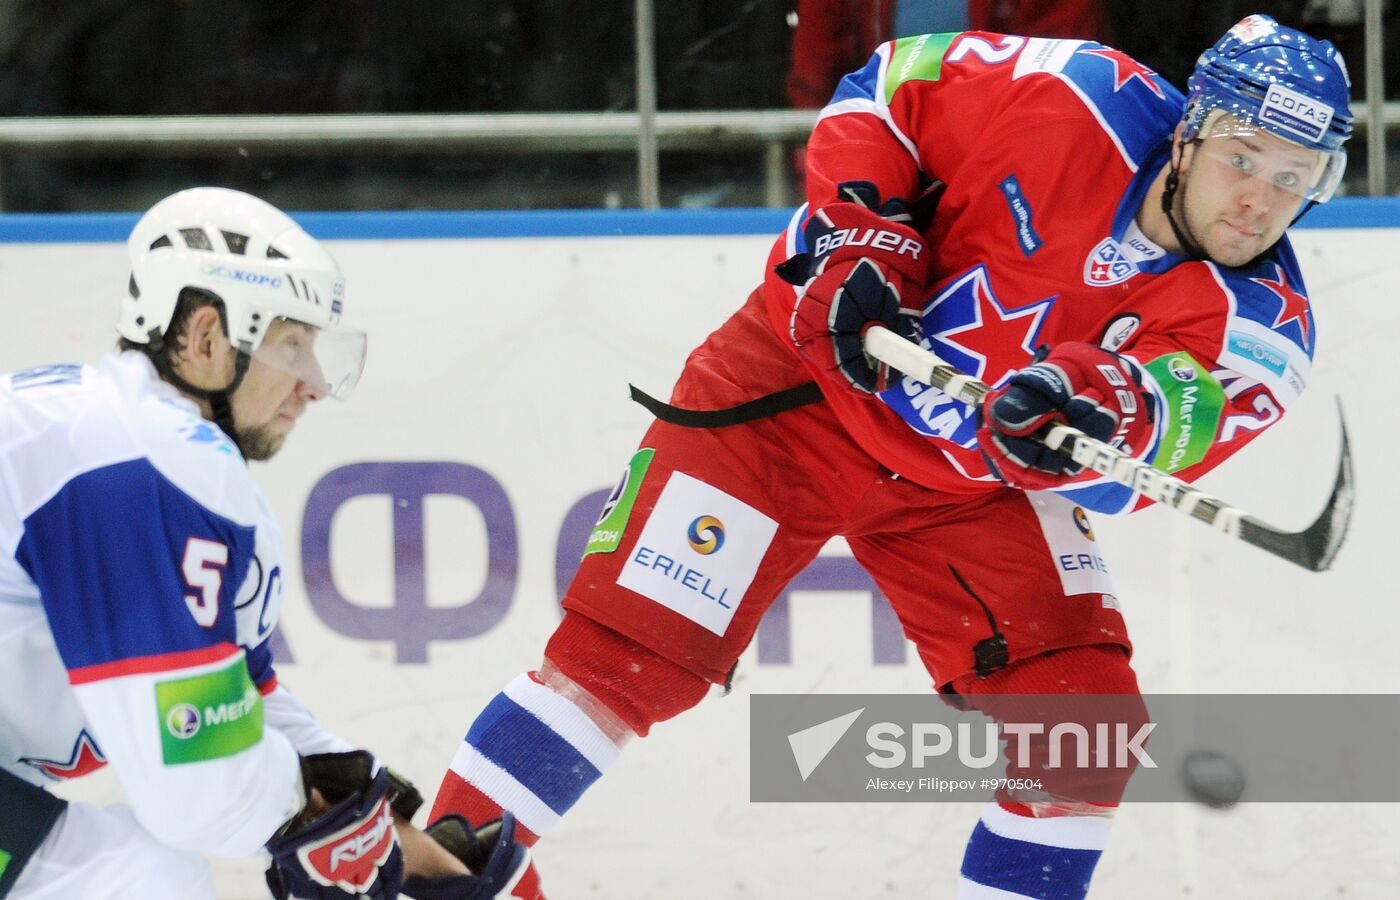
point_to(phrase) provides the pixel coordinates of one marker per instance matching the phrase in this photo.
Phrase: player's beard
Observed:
(1184, 207)
(260, 442)
(1182, 213)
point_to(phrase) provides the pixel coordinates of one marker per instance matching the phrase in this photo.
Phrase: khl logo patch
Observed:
(1107, 265)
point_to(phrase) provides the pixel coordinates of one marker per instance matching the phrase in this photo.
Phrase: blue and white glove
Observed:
(1077, 384)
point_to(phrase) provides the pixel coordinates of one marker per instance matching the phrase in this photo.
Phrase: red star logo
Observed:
(85, 758)
(1295, 305)
(1003, 339)
(1125, 69)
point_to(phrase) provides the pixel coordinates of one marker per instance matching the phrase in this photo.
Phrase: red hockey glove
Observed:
(1077, 384)
(863, 262)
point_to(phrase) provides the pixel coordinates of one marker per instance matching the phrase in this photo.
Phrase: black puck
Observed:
(1212, 779)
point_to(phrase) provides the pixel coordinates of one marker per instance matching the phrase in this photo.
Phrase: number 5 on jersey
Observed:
(204, 572)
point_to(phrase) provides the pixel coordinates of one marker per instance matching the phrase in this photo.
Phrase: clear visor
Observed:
(328, 360)
(1248, 149)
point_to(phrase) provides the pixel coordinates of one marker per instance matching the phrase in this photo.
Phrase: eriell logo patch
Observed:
(698, 552)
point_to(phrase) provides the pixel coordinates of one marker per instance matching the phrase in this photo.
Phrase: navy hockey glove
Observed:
(497, 862)
(351, 849)
(864, 261)
(1077, 384)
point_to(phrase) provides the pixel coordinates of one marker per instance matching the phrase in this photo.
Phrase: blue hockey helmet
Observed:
(1279, 80)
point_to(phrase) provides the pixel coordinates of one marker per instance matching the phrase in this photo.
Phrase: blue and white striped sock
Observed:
(1010, 856)
(534, 752)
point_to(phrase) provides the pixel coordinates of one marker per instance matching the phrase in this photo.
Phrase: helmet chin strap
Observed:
(220, 401)
(1307, 208)
(1193, 249)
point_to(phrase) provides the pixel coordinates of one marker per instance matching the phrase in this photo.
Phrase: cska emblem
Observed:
(1106, 265)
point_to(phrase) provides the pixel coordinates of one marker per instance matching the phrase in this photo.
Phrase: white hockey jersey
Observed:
(140, 581)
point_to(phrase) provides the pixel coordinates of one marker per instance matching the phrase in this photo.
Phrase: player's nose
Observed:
(1256, 195)
(311, 381)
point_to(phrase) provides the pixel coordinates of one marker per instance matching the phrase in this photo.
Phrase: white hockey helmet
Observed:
(252, 257)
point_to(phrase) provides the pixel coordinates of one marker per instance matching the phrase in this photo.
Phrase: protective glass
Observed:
(1257, 152)
(328, 360)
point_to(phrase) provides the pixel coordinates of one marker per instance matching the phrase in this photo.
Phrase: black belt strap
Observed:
(759, 408)
(27, 813)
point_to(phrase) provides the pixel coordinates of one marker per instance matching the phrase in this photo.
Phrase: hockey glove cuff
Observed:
(497, 862)
(349, 850)
(864, 264)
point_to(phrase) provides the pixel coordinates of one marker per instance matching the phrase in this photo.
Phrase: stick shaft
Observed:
(925, 366)
(1313, 548)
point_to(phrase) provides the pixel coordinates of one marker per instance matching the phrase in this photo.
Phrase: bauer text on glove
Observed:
(864, 264)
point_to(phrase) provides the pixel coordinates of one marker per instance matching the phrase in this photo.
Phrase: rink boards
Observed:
(432, 522)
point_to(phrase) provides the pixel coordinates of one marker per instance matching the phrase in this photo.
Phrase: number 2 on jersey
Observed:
(204, 572)
(984, 49)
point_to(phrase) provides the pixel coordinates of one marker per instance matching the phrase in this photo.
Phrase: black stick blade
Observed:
(1316, 546)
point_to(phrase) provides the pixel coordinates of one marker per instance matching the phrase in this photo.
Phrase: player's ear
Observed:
(203, 334)
(206, 355)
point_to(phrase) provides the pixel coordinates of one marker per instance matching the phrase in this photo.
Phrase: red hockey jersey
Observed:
(1043, 151)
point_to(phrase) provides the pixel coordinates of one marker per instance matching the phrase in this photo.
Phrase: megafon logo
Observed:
(812, 745)
(706, 535)
(1181, 369)
(615, 497)
(183, 721)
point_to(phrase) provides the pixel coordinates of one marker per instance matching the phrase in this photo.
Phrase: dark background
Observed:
(191, 57)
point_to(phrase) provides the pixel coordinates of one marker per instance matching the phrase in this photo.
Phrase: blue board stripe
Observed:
(33, 228)
(1354, 212)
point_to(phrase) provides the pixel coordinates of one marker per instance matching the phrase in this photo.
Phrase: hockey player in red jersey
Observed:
(1050, 217)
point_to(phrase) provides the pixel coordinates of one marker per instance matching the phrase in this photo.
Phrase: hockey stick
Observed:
(1313, 548)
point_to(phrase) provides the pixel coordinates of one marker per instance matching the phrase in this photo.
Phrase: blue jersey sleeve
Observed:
(260, 667)
(132, 568)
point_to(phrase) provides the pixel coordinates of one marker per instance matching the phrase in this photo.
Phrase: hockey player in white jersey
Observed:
(140, 584)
